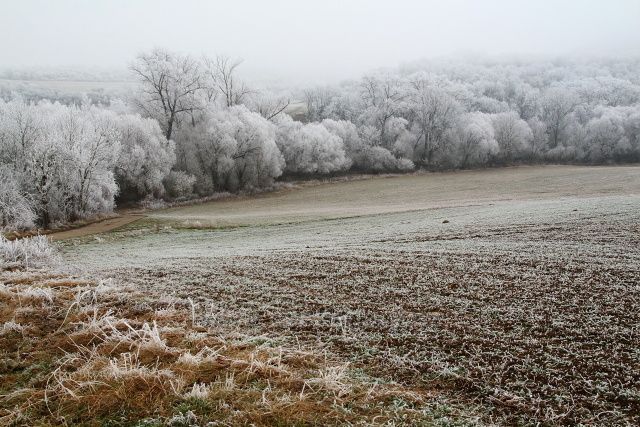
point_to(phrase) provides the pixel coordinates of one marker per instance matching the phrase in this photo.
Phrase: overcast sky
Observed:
(321, 40)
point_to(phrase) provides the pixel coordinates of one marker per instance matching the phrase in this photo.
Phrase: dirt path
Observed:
(96, 227)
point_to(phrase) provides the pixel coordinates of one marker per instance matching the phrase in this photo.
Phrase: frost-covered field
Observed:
(512, 293)
(411, 192)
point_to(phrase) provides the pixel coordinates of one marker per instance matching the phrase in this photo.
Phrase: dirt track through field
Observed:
(96, 227)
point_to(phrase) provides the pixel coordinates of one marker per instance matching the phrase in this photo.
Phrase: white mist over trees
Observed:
(194, 128)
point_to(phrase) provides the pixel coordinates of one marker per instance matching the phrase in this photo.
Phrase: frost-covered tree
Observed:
(230, 149)
(62, 159)
(346, 105)
(379, 159)
(525, 101)
(317, 101)
(434, 113)
(179, 184)
(472, 140)
(538, 141)
(268, 105)
(20, 127)
(171, 86)
(606, 138)
(384, 101)
(16, 207)
(221, 73)
(145, 159)
(73, 164)
(557, 106)
(352, 143)
(512, 134)
(360, 145)
(310, 148)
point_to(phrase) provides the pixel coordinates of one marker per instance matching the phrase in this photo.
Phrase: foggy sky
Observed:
(321, 40)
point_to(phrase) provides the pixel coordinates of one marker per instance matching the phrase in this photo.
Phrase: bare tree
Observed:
(221, 72)
(268, 105)
(378, 89)
(317, 100)
(171, 84)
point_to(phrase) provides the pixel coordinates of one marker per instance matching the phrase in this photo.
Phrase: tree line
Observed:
(194, 128)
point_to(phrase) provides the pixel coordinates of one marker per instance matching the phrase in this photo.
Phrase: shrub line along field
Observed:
(507, 296)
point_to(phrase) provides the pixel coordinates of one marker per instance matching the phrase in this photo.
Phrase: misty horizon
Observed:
(314, 44)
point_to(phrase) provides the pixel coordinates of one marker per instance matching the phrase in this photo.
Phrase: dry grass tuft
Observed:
(30, 252)
(82, 352)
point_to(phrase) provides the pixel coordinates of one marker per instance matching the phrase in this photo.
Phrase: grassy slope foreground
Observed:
(490, 297)
(80, 351)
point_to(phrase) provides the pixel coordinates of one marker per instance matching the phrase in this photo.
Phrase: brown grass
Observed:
(75, 351)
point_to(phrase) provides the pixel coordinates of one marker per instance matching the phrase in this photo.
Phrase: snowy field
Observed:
(512, 294)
